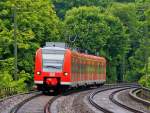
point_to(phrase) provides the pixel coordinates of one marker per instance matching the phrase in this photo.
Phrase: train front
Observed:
(48, 67)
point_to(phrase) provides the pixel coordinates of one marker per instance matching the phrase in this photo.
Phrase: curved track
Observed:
(17, 107)
(69, 92)
(48, 105)
(107, 104)
(134, 94)
(6, 104)
(111, 97)
(41, 103)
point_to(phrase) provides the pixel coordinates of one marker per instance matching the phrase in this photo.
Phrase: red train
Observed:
(57, 67)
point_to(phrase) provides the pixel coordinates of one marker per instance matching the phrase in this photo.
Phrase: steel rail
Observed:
(15, 95)
(48, 104)
(93, 103)
(18, 106)
(133, 95)
(69, 92)
(111, 97)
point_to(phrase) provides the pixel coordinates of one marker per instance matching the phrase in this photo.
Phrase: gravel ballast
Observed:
(102, 99)
(7, 104)
(73, 103)
(124, 98)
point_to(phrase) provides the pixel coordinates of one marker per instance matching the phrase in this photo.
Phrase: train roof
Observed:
(88, 56)
(73, 52)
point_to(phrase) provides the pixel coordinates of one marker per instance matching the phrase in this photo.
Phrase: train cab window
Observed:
(52, 60)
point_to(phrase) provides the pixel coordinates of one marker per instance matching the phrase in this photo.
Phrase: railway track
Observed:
(36, 104)
(7, 103)
(70, 92)
(16, 108)
(111, 97)
(44, 102)
(41, 103)
(114, 106)
(48, 105)
(134, 95)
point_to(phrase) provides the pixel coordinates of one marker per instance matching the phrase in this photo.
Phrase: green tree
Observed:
(129, 18)
(145, 79)
(36, 24)
(87, 27)
(116, 48)
(62, 6)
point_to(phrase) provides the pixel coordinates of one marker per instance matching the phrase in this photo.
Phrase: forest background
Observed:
(119, 30)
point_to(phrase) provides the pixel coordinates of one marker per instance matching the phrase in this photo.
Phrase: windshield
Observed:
(52, 60)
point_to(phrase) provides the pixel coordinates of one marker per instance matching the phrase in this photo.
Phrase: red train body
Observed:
(57, 67)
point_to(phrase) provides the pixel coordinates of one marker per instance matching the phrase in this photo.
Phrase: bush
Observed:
(19, 84)
(132, 76)
(145, 81)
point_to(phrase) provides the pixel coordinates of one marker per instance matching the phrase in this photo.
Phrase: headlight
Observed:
(65, 73)
(38, 73)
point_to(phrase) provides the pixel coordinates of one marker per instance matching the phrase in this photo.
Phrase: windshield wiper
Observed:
(54, 67)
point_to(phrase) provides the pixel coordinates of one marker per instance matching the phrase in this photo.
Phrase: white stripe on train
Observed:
(75, 83)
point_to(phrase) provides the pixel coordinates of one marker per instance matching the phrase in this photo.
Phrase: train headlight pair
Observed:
(38, 73)
(65, 73)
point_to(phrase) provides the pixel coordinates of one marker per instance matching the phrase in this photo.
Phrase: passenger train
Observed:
(58, 67)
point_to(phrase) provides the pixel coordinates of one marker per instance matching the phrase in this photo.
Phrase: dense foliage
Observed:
(116, 29)
(36, 24)
(145, 80)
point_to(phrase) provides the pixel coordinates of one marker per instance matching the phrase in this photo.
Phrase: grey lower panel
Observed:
(81, 83)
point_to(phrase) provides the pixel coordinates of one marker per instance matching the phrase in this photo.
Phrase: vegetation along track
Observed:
(107, 94)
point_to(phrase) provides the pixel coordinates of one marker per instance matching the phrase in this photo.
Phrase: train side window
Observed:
(88, 68)
(75, 65)
(72, 65)
(72, 69)
(102, 68)
(83, 67)
(91, 68)
(78, 66)
(99, 68)
(90, 71)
